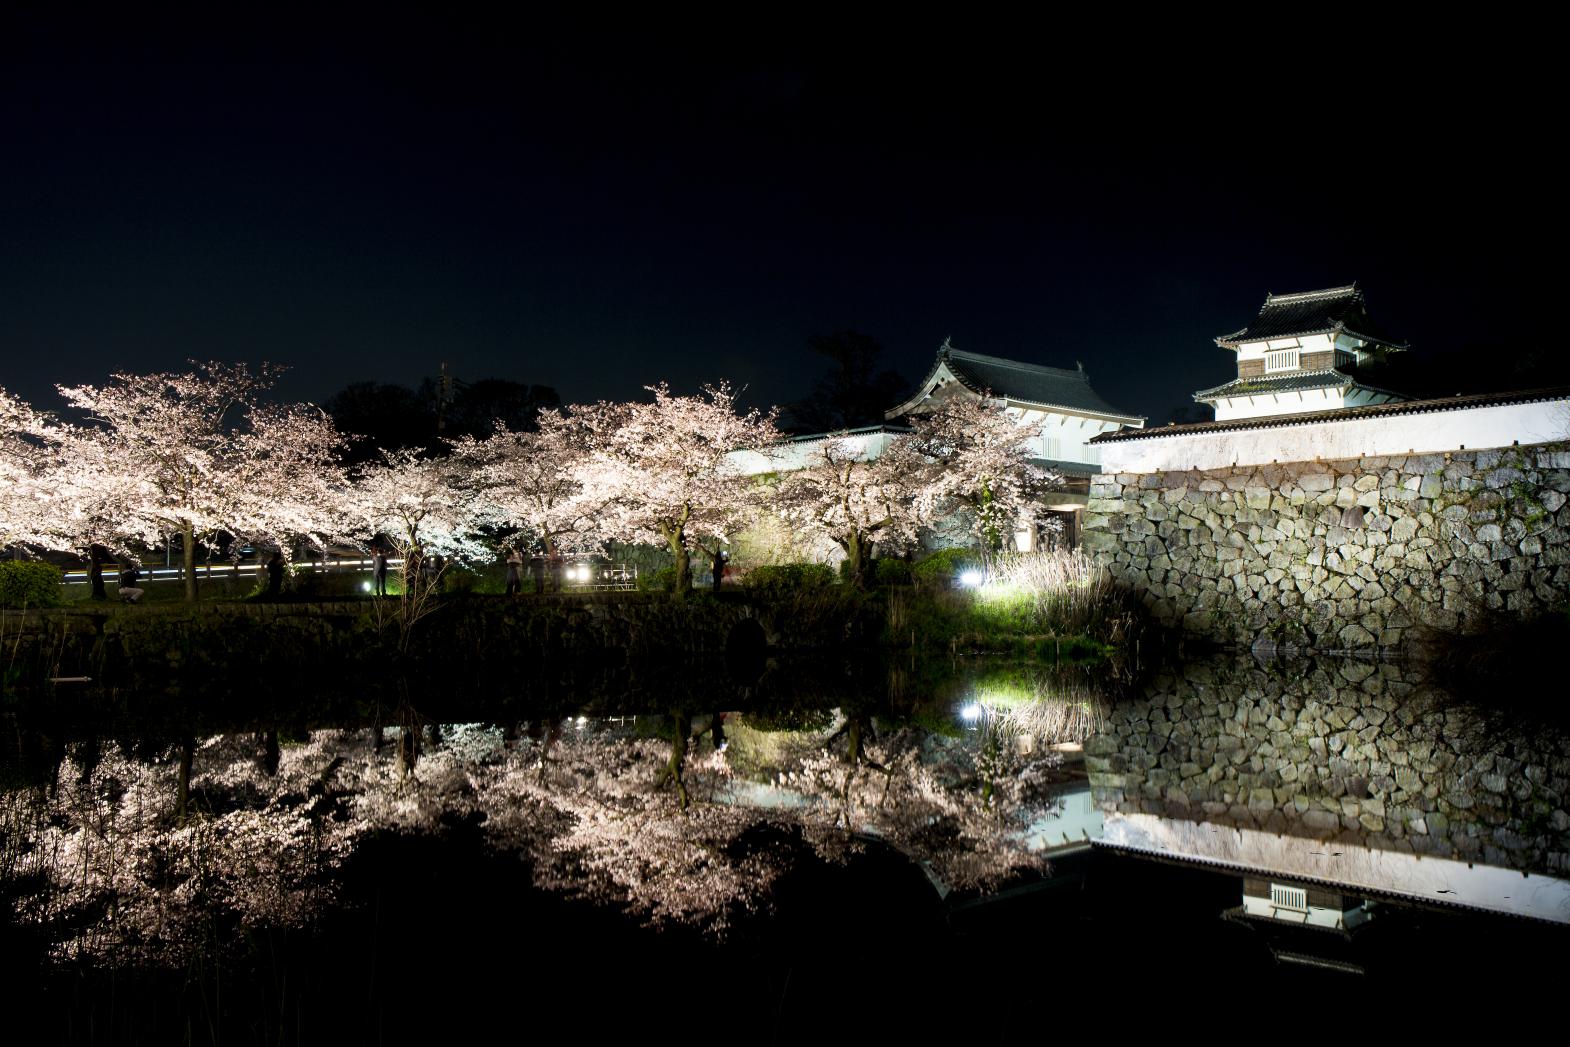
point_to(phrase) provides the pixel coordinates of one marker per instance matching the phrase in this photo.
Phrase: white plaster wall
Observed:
(1497, 425)
(1072, 434)
(789, 457)
(1264, 405)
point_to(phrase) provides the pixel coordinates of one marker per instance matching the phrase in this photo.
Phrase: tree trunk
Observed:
(855, 557)
(95, 570)
(270, 753)
(188, 561)
(678, 756)
(683, 583)
(187, 753)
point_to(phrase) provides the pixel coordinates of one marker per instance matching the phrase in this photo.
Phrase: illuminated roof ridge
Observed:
(1330, 310)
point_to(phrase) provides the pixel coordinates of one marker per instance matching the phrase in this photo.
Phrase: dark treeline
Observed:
(382, 415)
(854, 391)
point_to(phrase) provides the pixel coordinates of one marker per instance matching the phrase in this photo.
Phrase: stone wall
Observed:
(1350, 751)
(1346, 554)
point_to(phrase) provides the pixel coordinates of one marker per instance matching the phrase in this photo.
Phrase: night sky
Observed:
(596, 214)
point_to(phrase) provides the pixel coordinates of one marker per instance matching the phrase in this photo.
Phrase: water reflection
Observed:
(145, 853)
(1320, 786)
(1344, 773)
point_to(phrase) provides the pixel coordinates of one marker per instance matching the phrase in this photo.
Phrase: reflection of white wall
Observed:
(1078, 820)
(1476, 428)
(1355, 867)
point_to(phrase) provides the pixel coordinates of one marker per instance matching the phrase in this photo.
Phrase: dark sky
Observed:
(596, 214)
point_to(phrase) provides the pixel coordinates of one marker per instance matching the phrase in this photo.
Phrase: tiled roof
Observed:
(1068, 468)
(1286, 383)
(840, 434)
(1025, 383)
(1447, 403)
(1330, 311)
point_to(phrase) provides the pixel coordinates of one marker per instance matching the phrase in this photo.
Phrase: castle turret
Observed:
(1303, 352)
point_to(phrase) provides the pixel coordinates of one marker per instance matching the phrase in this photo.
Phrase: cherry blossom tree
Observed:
(668, 466)
(535, 480)
(424, 506)
(855, 500)
(197, 453)
(28, 442)
(981, 458)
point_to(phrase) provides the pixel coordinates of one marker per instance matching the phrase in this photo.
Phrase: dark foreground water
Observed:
(801, 850)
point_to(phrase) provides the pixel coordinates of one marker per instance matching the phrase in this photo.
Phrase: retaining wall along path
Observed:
(1349, 554)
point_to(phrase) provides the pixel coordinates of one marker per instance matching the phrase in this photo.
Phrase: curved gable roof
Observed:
(1330, 311)
(1014, 380)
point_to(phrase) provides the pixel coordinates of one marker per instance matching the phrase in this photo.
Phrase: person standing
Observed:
(379, 568)
(275, 575)
(537, 572)
(514, 571)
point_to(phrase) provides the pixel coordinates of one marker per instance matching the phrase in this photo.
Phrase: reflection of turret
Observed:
(1304, 924)
(1310, 905)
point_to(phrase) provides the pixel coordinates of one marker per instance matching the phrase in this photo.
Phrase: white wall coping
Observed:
(1367, 434)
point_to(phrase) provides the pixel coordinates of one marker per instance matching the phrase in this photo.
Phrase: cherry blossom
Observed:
(856, 501)
(197, 453)
(668, 469)
(982, 466)
(537, 481)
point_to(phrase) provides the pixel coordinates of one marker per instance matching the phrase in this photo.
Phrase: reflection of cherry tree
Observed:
(961, 810)
(603, 824)
(128, 877)
(115, 864)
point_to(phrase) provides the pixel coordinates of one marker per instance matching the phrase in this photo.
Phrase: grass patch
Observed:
(1053, 606)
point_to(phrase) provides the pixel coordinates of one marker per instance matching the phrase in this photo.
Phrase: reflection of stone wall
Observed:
(1348, 751)
(1344, 554)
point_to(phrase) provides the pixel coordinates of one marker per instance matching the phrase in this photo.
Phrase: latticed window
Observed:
(1281, 360)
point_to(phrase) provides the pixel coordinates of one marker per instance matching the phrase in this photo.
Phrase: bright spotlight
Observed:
(365, 586)
(970, 579)
(970, 713)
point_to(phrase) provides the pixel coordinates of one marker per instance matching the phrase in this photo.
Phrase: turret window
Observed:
(1281, 360)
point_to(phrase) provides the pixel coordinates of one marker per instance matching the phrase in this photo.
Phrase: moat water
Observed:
(789, 849)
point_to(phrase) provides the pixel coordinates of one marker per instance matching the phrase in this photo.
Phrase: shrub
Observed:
(790, 577)
(660, 581)
(891, 572)
(28, 583)
(943, 566)
(305, 583)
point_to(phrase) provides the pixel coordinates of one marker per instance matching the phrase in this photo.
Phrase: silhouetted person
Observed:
(514, 572)
(129, 592)
(719, 569)
(379, 569)
(275, 575)
(537, 572)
